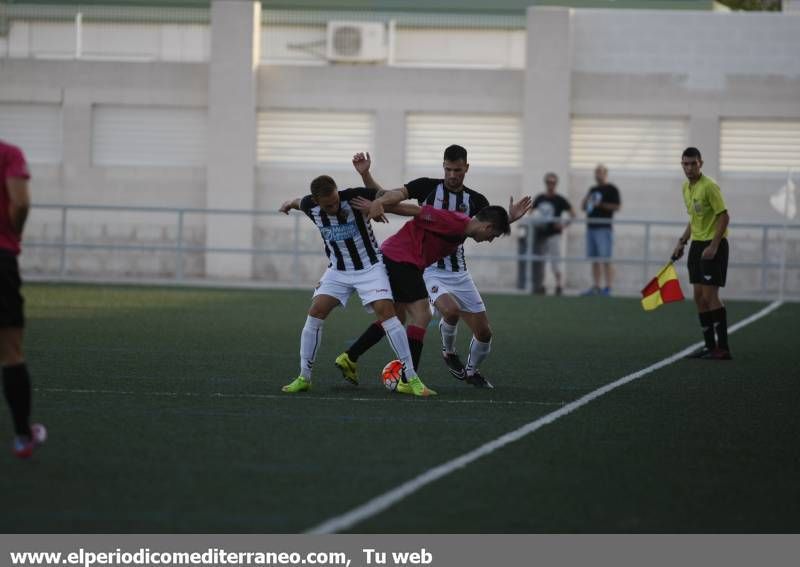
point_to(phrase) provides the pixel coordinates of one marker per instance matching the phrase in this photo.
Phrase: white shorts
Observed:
(371, 284)
(458, 284)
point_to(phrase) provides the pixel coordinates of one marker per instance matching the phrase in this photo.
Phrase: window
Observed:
(35, 128)
(154, 136)
(628, 143)
(759, 145)
(491, 140)
(295, 137)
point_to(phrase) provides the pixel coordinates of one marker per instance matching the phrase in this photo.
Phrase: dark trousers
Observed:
(536, 266)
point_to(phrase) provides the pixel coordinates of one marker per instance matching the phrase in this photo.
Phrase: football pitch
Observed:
(165, 415)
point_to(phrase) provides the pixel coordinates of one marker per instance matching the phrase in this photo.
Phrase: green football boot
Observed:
(415, 387)
(299, 384)
(348, 368)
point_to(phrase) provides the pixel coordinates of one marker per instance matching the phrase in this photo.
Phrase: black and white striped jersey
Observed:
(349, 241)
(433, 192)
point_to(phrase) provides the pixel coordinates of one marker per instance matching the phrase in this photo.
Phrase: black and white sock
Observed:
(449, 333)
(310, 339)
(478, 351)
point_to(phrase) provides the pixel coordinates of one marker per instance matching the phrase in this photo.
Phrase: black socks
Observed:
(17, 390)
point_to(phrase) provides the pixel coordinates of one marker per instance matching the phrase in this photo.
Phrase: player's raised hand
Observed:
(362, 162)
(517, 210)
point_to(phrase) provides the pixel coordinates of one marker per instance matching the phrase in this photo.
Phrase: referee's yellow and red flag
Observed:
(664, 288)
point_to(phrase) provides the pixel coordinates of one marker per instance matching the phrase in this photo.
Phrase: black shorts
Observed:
(708, 272)
(11, 301)
(406, 280)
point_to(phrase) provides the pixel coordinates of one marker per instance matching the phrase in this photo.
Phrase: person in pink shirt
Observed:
(14, 206)
(431, 235)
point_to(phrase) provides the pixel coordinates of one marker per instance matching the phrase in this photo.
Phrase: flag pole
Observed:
(664, 269)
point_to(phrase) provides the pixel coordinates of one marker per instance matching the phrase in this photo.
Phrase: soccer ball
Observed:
(391, 374)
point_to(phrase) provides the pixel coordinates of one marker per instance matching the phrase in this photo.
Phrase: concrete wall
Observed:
(701, 67)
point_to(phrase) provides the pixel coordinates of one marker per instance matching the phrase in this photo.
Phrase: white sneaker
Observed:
(23, 446)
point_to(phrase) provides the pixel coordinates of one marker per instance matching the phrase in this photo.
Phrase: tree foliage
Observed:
(758, 5)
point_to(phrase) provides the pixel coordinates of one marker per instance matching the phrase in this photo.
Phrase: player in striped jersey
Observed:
(449, 284)
(355, 264)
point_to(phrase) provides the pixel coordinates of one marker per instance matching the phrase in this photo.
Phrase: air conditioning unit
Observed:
(356, 42)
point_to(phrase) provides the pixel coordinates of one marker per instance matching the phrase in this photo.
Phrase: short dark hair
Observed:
(455, 153)
(497, 216)
(322, 186)
(691, 152)
(550, 174)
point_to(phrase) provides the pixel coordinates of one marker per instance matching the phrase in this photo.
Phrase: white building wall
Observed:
(699, 68)
(702, 47)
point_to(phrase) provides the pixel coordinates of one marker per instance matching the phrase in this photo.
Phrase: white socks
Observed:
(309, 341)
(396, 335)
(478, 352)
(448, 332)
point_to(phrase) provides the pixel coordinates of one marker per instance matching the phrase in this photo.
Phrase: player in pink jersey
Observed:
(14, 206)
(433, 234)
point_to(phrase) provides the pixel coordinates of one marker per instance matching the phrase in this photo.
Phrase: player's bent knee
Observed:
(422, 318)
(318, 312)
(484, 335)
(450, 315)
(384, 309)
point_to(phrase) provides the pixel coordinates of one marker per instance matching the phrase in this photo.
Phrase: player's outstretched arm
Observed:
(362, 163)
(401, 209)
(404, 209)
(517, 210)
(287, 206)
(386, 198)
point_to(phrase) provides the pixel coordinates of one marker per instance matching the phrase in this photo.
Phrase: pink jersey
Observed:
(12, 164)
(427, 238)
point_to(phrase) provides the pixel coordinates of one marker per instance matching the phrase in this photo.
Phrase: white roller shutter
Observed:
(759, 145)
(653, 144)
(35, 128)
(291, 137)
(149, 136)
(492, 140)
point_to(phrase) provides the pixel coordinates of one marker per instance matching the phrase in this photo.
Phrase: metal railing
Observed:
(649, 261)
(770, 236)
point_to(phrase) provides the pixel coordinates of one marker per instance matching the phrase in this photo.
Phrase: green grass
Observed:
(165, 415)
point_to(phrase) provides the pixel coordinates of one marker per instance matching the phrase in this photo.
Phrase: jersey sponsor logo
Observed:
(381, 290)
(339, 232)
(707, 277)
(698, 207)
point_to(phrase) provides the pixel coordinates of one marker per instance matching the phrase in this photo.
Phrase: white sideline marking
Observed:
(384, 501)
(288, 397)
